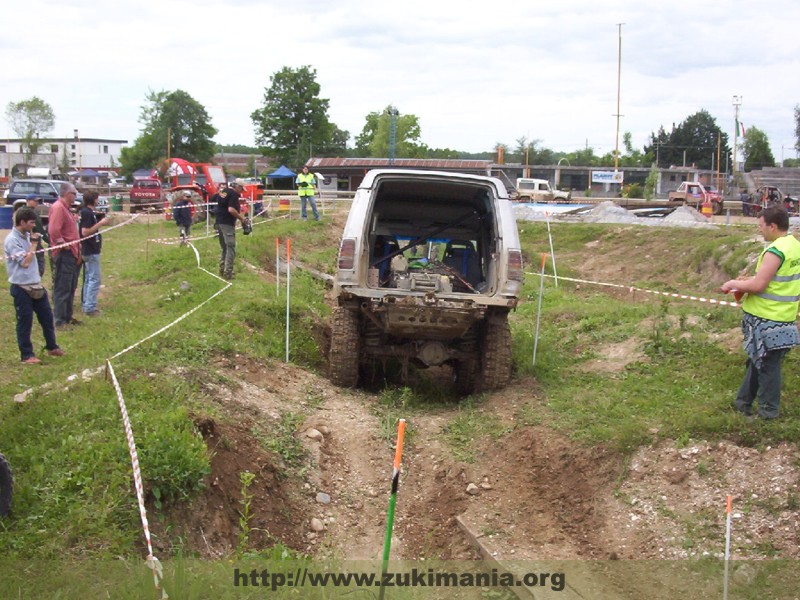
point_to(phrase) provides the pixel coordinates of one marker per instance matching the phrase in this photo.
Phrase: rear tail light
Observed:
(515, 265)
(347, 251)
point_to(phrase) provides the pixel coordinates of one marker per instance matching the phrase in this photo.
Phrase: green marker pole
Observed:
(387, 543)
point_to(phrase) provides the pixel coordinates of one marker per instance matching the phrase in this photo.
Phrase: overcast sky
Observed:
(475, 73)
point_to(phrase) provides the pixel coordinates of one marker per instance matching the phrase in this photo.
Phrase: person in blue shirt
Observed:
(91, 244)
(30, 296)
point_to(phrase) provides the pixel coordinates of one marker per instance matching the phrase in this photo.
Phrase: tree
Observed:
(293, 122)
(756, 150)
(373, 141)
(694, 141)
(173, 119)
(797, 127)
(63, 164)
(30, 119)
(584, 158)
(651, 183)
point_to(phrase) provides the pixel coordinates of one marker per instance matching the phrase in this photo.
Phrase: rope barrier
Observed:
(78, 241)
(632, 289)
(152, 562)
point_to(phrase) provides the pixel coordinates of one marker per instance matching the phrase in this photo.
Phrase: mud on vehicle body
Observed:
(429, 268)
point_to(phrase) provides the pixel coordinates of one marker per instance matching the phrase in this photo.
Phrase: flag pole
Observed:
(387, 543)
(539, 310)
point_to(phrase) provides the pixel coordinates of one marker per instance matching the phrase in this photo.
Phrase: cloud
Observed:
(474, 73)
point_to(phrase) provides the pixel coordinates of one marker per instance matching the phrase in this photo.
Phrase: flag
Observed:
(740, 127)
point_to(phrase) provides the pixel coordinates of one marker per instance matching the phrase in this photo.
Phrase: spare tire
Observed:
(6, 486)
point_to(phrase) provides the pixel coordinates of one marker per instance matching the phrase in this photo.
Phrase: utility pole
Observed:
(393, 113)
(78, 144)
(619, 74)
(737, 102)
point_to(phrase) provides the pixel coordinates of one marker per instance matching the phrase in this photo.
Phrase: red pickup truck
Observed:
(147, 194)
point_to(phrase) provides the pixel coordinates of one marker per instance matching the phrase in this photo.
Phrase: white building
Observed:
(55, 153)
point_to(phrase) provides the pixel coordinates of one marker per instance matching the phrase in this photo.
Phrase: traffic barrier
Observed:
(78, 241)
(633, 289)
(6, 217)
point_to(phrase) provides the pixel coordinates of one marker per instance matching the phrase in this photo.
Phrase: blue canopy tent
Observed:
(87, 176)
(282, 178)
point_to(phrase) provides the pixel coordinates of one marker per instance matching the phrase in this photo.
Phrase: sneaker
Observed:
(75, 322)
(94, 313)
(228, 276)
(55, 352)
(32, 361)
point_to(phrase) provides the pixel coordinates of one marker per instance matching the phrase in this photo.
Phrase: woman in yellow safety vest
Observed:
(306, 182)
(770, 308)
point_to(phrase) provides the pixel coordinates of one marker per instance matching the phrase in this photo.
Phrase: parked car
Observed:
(538, 190)
(46, 189)
(429, 268)
(694, 193)
(147, 193)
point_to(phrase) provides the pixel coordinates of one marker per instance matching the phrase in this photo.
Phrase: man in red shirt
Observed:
(63, 229)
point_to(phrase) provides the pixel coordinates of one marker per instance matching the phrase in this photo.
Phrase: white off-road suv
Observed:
(429, 268)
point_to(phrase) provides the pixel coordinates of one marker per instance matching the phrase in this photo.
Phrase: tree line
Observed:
(292, 124)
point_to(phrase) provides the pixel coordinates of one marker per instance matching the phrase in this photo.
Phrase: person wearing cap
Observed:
(227, 213)
(30, 296)
(182, 214)
(33, 201)
(306, 183)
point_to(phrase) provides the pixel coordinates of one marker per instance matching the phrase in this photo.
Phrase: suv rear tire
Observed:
(495, 370)
(6, 486)
(345, 346)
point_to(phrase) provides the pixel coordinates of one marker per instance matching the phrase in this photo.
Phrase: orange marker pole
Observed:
(539, 310)
(727, 549)
(398, 456)
(288, 290)
(278, 267)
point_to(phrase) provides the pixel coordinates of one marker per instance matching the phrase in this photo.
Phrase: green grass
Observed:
(472, 430)
(685, 381)
(66, 444)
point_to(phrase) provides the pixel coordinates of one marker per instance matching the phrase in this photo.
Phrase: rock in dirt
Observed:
(317, 525)
(314, 434)
(323, 498)
(473, 489)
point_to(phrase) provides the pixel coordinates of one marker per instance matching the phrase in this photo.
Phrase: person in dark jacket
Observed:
(182, 215)
(228, 212)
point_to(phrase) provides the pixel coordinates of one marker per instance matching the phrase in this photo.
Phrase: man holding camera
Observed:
(30, 296)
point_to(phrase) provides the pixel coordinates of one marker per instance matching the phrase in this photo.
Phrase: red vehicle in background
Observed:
(146, 194)
(202, 179)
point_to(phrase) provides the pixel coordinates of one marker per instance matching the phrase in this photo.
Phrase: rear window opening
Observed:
(432, 236)
(147, 184)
